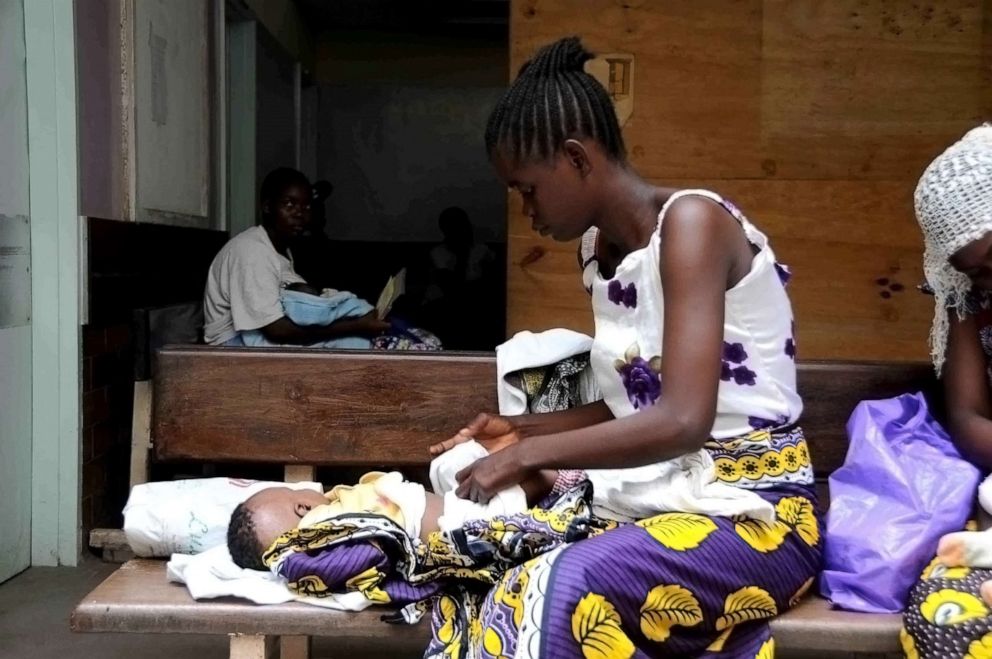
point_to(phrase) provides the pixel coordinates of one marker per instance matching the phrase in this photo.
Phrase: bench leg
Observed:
(294, 647)
(252, 646)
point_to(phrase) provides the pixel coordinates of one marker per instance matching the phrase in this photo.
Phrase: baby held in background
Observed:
(258, 522)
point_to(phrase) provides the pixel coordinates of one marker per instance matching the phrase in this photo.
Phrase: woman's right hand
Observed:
(494, 432)
(370, 325)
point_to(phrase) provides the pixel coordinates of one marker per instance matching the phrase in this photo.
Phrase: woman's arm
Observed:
(700, 247)
(496, 432)
(287, 332)
(966, 390)
(550, 423)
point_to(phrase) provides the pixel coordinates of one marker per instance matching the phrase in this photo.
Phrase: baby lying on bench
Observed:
(257, 523)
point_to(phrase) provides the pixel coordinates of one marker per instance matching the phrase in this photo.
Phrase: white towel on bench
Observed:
(213, 574)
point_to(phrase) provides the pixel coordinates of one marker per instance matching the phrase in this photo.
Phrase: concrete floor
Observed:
(34, 624)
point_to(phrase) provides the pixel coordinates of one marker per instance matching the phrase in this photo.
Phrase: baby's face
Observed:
(276, 510)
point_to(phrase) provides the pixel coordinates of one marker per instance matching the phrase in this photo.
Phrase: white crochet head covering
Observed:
(954, 208)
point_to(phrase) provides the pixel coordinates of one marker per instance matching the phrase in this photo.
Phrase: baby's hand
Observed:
(493, 432)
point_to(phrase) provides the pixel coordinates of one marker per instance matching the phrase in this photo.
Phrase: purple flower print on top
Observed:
(732, 366)
(784, 273)
(614, 292)
(726, 372)
(745, 376)
(734, 353)
(619, 294)
(641, 377)
(630, 296)
(790, 343)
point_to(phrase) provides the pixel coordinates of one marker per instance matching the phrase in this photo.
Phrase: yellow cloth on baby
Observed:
(369, 496)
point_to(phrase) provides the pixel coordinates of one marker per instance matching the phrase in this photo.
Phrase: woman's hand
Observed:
(494, 432)
(370, 325)
(484, 478)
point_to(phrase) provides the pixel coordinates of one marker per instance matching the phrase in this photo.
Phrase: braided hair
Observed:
(242, 540)
(552, 100)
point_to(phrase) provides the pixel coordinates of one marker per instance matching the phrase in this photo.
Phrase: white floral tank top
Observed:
(758, 381)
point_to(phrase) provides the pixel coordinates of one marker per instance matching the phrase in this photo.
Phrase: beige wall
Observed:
(816, 118)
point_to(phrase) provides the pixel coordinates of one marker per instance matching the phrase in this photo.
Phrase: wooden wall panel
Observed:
(816, 118)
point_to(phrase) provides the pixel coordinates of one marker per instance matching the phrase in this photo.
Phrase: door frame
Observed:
(49, 35)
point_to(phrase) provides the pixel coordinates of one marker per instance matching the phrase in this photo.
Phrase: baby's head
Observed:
(263, 517)
(302, 288)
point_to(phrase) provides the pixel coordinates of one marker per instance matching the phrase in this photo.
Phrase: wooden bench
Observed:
(306, 408)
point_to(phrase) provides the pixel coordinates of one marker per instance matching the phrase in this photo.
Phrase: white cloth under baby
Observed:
(213, 574)
(534, 350)
(458, 511)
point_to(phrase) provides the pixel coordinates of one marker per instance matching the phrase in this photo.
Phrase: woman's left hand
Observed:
(481, 480)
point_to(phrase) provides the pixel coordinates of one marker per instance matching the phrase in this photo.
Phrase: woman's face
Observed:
(975, 260)
(555, 197)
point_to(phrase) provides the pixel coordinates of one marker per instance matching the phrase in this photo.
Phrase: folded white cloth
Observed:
(458, 511)
(213, 574)
(533, 350)
(686, 484)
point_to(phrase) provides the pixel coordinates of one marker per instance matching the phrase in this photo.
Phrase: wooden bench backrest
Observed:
(374, 409)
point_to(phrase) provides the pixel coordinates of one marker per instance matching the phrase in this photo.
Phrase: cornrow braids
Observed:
(552, 100)
(242, 540)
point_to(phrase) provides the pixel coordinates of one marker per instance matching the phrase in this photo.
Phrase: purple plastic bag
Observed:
(903, 485)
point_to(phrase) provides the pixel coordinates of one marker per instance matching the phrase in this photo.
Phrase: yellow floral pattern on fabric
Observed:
(937, 570)
(449, 633)
(474, 631)
(510, 592)
(761, 536)
(493, 644)
(908, 645)
(557, 521)
(767, 650)
(951, 607)
(795, 599)
(449, 611)
(314, 537)
(798, 513)
(596, 627)
(679, 531)
(980, 649)
(310, 586)
(721, 640)
(367, 583)
(761, 463)
(666, 606)
(750, 603)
